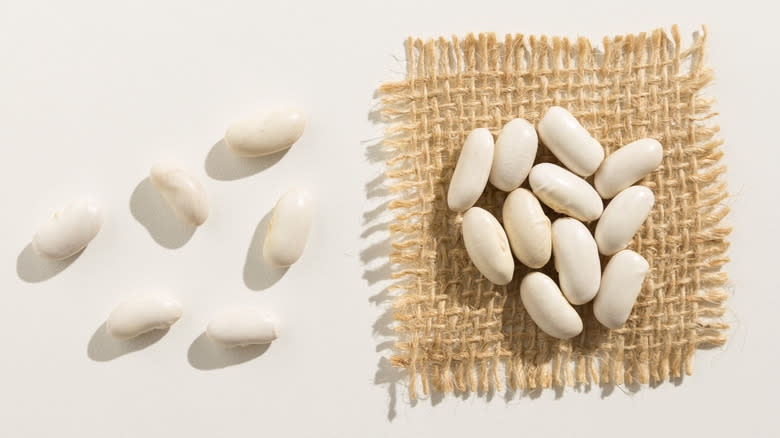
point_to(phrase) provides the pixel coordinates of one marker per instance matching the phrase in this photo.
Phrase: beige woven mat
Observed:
(457, 330)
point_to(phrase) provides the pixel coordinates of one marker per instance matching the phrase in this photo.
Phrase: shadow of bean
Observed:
(102, 347)
(32, 268)
(204, 354)
(150, 209)
(223, 165)
(259, 275)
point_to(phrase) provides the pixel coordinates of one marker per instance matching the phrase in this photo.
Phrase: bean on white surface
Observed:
(627, 165)
(471, 171)
(622, 218)
(565, 192)
(515, 152)
(548, 308)
(182, 191)
(288, 230)
(527, 228)
(266, 132)
(568, 140)
(576, 260)
(142, 314)
(620, 285)
(238, 328)
(488, 246)
(69, 231)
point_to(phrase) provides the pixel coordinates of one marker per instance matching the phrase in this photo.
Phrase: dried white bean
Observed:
(142, 314)
(183, 192)
(288, 230)
(514, 155)
(266, 132)
(527, 228)
(576, 260)
(472, 170)
(620, 285)
(548, 308)
(627, 165)
(243, 327)
(622, 218)
(69, 231)
(565, 192)
(568, 140)
(487, 246)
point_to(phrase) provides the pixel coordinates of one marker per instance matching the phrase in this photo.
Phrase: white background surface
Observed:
(92, 94)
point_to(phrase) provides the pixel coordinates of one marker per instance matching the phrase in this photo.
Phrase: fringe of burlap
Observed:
(460, 332)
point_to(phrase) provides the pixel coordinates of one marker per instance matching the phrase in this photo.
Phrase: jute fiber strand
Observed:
(456, 330)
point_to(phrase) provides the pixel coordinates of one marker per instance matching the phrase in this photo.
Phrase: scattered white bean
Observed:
(266, 132)
(487, 246)
(514, 155)
(527, 228)
(622, 218)
(548, 308)
(183, 192)
(69, 231)
(141, 314)
(565, 192)
(576, 260)
(289, 228)
(568, 140)
(620, 285)
(472, 170)
(243, 327)
(627, 165)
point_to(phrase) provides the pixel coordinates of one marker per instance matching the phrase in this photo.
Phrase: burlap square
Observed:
(459, 331)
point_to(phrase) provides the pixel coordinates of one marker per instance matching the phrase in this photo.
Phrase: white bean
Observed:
(69, 231)
(620, 285)
(568, 140)
(514, 155)
(243, 327)
(183, 192)
(266, 132)
(576, 260)
(288, 230)
(141, 314)
(548, 308)
(472, 170)
(627, 165)
(622, 218)
(527, 228)
(487, 246)
(565, 192)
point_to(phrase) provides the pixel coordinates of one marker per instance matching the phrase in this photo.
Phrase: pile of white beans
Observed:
(527, 232)
(72, 229)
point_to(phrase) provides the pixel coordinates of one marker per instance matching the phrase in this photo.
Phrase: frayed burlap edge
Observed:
(459, 332)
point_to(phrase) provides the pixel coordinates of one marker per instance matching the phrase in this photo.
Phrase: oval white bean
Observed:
(69, 231)
(183, 192)
(514, 155)
(266, 132)
(141, 314)
(568, 140)
(627, 165)
(576, 260)
(548, 308)
(565, 192)
(472, 170)
(289, 228)
(622, 218)
(243, 327)
(487, 246)
(527, 228)
(620, 285)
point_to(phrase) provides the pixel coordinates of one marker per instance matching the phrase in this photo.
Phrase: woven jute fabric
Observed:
(456, 330)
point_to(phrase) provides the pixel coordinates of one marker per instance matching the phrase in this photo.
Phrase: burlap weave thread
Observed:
(457, 331)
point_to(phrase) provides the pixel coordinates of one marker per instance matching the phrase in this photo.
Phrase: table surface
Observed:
(94, 93)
